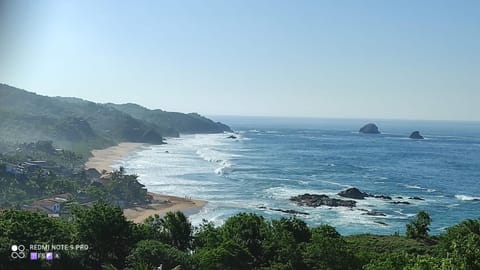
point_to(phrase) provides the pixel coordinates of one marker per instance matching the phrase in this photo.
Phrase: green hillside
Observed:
(173, 123)
(82, 125)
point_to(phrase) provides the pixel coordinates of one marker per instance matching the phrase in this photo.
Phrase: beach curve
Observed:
(104, 159)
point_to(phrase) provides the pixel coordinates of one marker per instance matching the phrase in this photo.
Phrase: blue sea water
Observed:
(273, 159)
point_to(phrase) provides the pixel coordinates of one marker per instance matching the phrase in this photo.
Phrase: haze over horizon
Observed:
(325, 59)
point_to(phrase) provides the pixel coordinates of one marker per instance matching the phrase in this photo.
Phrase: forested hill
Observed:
(173, 121)
(78, 124)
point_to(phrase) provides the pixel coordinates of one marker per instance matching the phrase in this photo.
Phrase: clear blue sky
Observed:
(346, 59)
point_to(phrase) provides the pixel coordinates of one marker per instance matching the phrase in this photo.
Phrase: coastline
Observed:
(104, 159)
(161, 205)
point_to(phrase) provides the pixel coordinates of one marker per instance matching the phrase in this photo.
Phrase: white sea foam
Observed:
(335, 183)
(467, 197)
(226, 167)
(215, 156)
(286, 192)
(419, 187)
(210, 155)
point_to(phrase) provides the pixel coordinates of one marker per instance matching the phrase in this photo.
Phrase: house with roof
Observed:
(53, 205)
(93, 174)
(14, 169)
(47, 205)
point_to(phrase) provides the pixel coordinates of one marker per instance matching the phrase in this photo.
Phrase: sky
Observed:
(331, 59)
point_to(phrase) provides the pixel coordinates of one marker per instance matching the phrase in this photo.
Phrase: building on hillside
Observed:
(14, 169)
(31, 167)
(47, 205)
(40, 163)
(92, 174)
(53, 205)
(106, 178)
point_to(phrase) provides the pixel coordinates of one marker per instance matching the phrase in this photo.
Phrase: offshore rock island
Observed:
(416, 136)
(370, 128)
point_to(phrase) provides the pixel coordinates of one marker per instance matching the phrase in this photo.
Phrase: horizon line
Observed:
(208, 115)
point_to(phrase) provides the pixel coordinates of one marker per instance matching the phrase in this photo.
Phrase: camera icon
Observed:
(18, 252)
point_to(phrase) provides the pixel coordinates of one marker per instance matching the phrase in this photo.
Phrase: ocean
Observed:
(273, 159)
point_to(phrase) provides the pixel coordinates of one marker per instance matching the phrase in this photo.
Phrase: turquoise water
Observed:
(273, 159)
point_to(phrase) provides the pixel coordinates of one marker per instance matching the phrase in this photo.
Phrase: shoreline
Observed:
(161, 205)
(104, 159)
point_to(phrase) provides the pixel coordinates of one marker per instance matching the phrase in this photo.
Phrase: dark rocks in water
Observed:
(167, 152)
(385, 197)
(399, 202)
(288, 211)
(370, 128)
(399, 197)
(353, 193)
(374, 213)
(416, 136)
(417, 198)
(231, 137)
(315, 200)
(381, 223)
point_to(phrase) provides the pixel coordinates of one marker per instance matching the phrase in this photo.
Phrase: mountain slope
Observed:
(74, 123)
(173, 122)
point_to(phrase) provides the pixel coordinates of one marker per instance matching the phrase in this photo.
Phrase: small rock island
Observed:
(416, 135)
(316, 200)
(370, 128)
(354, 193)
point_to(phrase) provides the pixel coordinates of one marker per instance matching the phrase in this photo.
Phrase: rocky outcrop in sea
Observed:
(315, 200)
(416, 136)
(370, 128)
(355, 193)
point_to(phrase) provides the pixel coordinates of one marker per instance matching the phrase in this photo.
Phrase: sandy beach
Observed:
(104, 159)
(161, 205)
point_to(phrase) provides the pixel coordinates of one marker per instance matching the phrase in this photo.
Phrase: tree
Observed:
(328, 251)
(391, 261)
(207, 236)
(286, 243)
(249, 231)
(419, 227)
(228, 256)
(106, 232)
(461, 243)
(173, 229)
(154, 253)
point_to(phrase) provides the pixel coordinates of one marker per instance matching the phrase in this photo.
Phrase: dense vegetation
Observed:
(80, 125)
(63, 172)
(244, 241)
(172, 123)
